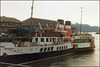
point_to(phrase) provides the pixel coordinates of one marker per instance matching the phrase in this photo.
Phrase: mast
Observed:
(81, 22)
(30, 26)
(32, 9)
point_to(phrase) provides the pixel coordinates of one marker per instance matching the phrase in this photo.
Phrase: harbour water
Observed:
(90, 59)
(81, 59)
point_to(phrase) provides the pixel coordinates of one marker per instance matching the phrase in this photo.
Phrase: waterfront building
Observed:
(8, 23)
(36, 22)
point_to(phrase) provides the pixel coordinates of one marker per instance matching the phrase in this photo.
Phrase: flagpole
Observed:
(81, 21)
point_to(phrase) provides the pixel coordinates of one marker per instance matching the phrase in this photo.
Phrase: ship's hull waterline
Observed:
(38, 56)
(32, 57)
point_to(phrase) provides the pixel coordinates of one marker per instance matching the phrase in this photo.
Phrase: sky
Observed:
(53, 10)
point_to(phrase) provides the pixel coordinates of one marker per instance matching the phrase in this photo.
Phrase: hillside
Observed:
(86, 28)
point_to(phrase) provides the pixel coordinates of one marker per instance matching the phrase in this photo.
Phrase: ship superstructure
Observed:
(45, 43)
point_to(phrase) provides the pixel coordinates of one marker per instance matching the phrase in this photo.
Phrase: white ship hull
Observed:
(24, 54)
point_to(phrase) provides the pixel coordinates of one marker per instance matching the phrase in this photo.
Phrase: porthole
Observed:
(17, 50)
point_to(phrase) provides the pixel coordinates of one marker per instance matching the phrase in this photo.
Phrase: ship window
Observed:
(66, 47)
(45, 49)
(48, 48)
(50, 39)
(46, 39)
(57, 48)
(36, 39)
(53, 39)
(51, 48)
(41, 49)
(42, 39)
(58, 39)
(62, 47)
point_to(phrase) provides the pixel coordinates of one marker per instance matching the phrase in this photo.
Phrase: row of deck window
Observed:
(51, 48)
(46, 39)
(78, 37)
(21, 50)
(61, 47)
(46, 49)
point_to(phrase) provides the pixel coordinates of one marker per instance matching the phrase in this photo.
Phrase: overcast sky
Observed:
(53, 10)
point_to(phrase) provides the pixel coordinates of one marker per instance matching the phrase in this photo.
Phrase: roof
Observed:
(36, 21)
(9, 19)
